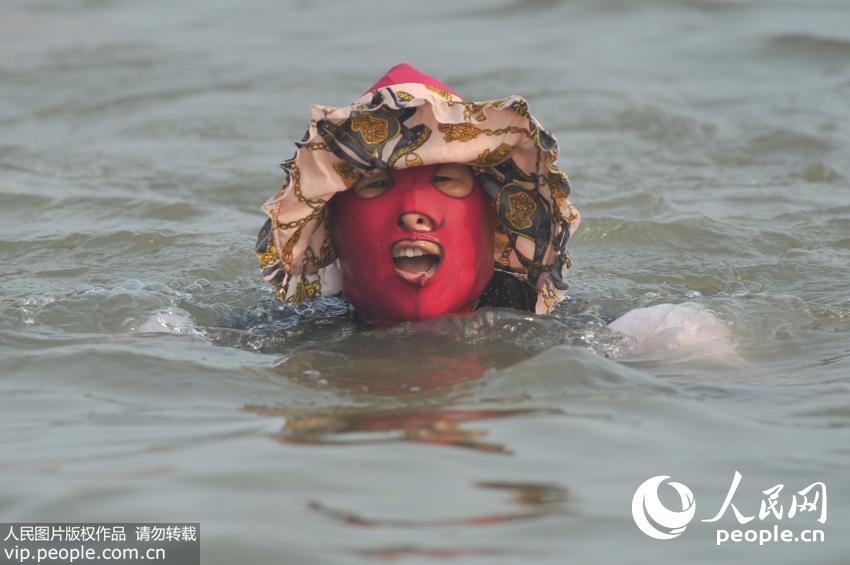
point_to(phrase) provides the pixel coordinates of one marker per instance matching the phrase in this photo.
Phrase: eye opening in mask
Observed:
(454, 179)
(373, 185)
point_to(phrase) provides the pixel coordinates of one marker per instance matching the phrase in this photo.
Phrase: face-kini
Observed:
(414, 243)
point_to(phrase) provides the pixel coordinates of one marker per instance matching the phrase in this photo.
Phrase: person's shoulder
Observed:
(508, 291)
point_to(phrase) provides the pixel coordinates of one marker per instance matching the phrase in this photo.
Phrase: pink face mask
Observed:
(415, 243)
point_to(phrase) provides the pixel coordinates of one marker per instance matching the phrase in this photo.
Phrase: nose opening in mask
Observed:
(415, 221)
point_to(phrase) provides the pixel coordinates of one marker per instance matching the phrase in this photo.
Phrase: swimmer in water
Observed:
(415, 204)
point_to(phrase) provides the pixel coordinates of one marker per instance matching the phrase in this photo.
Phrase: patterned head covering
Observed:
(409, 119)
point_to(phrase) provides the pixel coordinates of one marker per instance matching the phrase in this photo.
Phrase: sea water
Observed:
(146, 373)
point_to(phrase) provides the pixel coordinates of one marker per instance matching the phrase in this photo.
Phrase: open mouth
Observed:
(416, 261)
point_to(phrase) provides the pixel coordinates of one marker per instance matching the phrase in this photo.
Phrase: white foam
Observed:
(172, 320)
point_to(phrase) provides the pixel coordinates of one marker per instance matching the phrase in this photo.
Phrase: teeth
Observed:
(409, 252)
